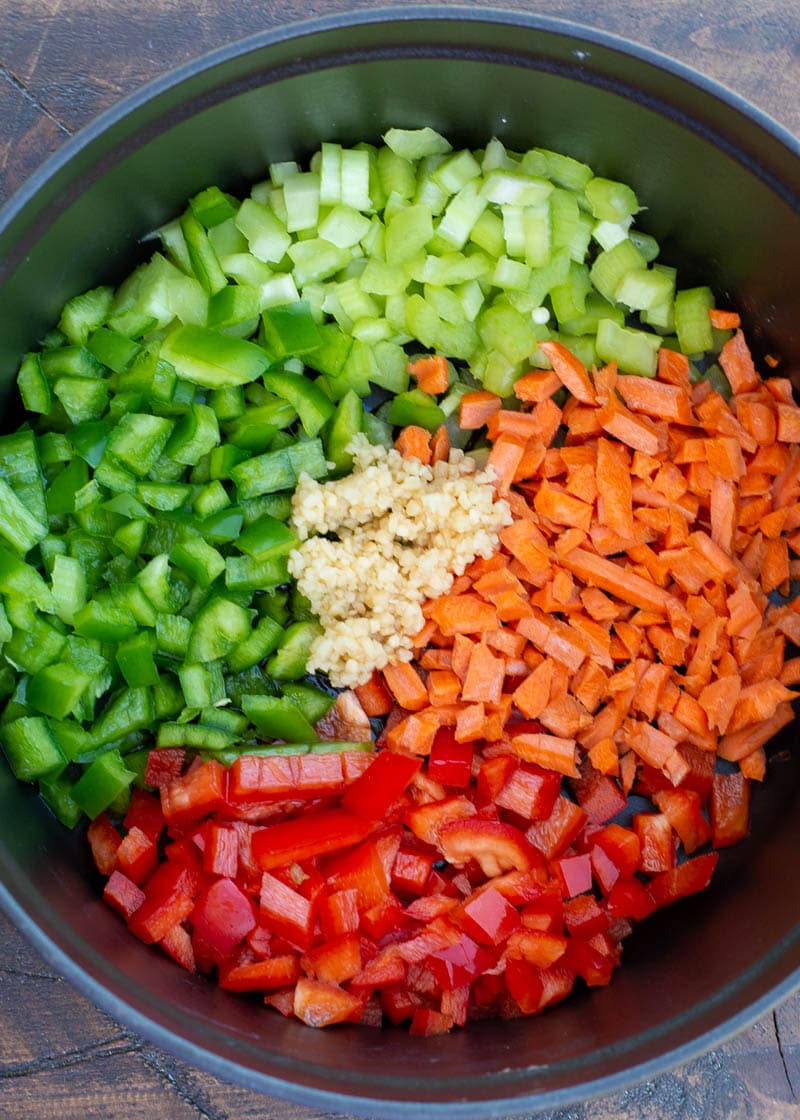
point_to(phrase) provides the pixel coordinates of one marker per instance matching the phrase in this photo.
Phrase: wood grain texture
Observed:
(61, 63)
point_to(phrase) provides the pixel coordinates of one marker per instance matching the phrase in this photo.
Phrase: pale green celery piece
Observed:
(396, 174)
(246, 269)
(642, 289)
(456, 171)
(174, 243)
(583, 347)
(395, 314)
(314, 296)
(514, 188)
(416, 143)
(390, 364)
(510, 274)
(456, 339)
(543, 280)
(355, 179)
(261, 191)
(461, 214)
(448, 305)
(301, 197)
(611, 201)
(280, 172)
(647, 245)
(569, 299)
(487, 234)
(372, 330)
(330, 174)
(563, 170)
(356, 303)
(609, 234)
(344, 227)
(471, 297)
(373, 243)
(506, 330)
(265, 233)
(428, 192)
(395, 204)
(499, 374)
(692, 323)
(422, 320)
(449, 404)
(536, 226)
(497, 158)
(454, 268)
(382, 279)
(579, 246)
(565, 219)
(513, 231)
(611, 266)
(279, 290)
(226, 239)
(332, 306)
(407, 232)
(276, 202)
(595, 309)
(316, 259)
(634, 351)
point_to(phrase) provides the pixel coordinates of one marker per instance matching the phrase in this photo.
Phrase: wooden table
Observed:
(62, 62)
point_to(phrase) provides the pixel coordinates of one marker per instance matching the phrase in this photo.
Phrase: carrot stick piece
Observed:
(615, 500)
(537, 385)
(724, 320)
(485, 676)
(406, 685)
(739, 744)
(570, 371)
(440, 445)
(431, 373)
(611, 577)
(549, 751)
(754, 765)
(533, 695)
(476, 408)
(414, 443)
(737, 364)
(504, 459)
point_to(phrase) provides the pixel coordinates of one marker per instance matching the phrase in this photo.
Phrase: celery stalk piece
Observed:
(416, 143)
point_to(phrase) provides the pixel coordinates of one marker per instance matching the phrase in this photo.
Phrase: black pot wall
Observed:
(723, 190)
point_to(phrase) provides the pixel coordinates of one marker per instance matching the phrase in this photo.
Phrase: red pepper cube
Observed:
(301, 838)
(123, 895)
(361, 870)
(282, 1001)
(221, 852)
(561, 829)
(260, 976)
(629, 898)
(683, 809)
(318, 1004)
(701, 770)
(584, 918)
(177, 943)
(657, 840)
(223, 916)
(386, 917)
(426, 1023)
(599, 796)
(488, 917)
(620, 845)
(411, 871)
(164, 766)
(450, 762)
(286, 912)
(493, 775)
(386, 969)
(688, 878)
(137, 856)
(574, 874)
(530, 793)
(459, 964)
(381, 785)
(261, 778)
(594, 968)
(169, 895)
(729, 809)
(318, 775)
(604, 869)
(338, 913)
(335, 961)
(195, 794)
(495, 845)
(104, 840)
(455, 1004)
(524, 984)
(144, 812)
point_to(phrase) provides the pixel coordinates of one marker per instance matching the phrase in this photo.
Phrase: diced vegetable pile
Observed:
(628, 637)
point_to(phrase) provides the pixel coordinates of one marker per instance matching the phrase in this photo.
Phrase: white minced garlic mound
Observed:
(404, 532)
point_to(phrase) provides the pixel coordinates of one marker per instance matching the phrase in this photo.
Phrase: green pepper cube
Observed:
(264, 474)
(196, 433)
(101, 783)
(202, 684)
(83, 398)
(136, 661)
(255, 573)
(207, 357)
(57, 795)
(290, 329)
(113, 349)
(277, 718)
(130, 710)
(57, 689)
(259, 643)
(267, 537)
(415, 407)
(200, 560)
(31, 748)
(196, 736)
(212, 207)
(138, 441)
(217, 628)
(290, 660)
(17, 524)
(34, 388)
(309, 401)
(312, 702)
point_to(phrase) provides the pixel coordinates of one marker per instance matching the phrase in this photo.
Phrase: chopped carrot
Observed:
(485, 676)
(504, 459)
(440, 445)
(414, 443)
(537, 385)
(431, 372)
(724, 320)
(406, 685)
(533, 695)
(549, 751)
(374, 697)
(476, 408)
(737, 364)
(464, 614)
(570, 371)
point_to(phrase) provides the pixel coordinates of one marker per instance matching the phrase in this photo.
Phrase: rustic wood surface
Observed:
(61, 63)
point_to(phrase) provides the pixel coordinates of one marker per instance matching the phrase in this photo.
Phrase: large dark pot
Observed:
(722, 184)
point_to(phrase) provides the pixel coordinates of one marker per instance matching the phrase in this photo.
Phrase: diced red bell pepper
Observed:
(123, 895)
(459, 964)
(137, 856)
(524, 983)
(201, 790)
(361, 870)
(539, 947)
(554, 835)
(398, 1002)
(729, 809)
(185, 853)
(496, 846)
(599, 796)
(386, 969)
(455, 1004)
(583, 917)
(104, 840)
(177, 943)
(223, 916)
(260, 976)
(328, 830)
(604, 870)
(519, 887)
(493, 775)
(557, 983)
(261, 777)
(488, 917)
(530, 793)
(687, 878)
(426, 1022)
(701, 770)
(285, 912)
(282, 1000)
(384, 918)
(164, 766)
(585, 961)
(221, 852)
(318, 775)
(574, 874)
(430, 907)
(259, 941)
(683, 810)
(657, 840)
(450, 762)
(338, 912)
(388, 777)
(426, 821)
(621, 845)
(144, 812)
(319, 1004)
(629, 898)
(169, 898)
(335, 961)
(411, 871)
